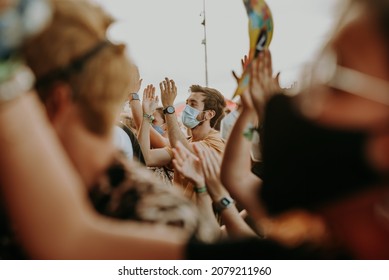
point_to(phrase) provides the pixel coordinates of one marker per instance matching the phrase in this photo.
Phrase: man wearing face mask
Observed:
(204, 110)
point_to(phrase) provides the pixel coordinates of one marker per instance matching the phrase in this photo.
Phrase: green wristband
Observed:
(249, 133)
(150, 118)
(201, 190)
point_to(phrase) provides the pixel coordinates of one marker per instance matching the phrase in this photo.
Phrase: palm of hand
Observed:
(191, 169)
(149, 105)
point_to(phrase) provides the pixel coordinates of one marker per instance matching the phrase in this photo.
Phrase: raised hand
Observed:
(150, 100)
(135, 80)
(244, 61)
(168, 92)
(247, 102)
(262, 83)
(188, 165)
(210, 163)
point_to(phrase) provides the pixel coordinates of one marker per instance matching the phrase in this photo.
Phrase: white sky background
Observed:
(164, 38)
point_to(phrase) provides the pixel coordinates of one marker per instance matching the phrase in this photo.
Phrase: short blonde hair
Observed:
(99, 86)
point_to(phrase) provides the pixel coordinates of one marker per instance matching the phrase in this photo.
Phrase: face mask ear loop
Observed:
(203, 119)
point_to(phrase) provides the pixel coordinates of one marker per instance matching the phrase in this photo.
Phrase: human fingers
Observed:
(151, 92)
(178, 157)
(167, 85)
(216, 158)
(161, 87)
(235, 76)
(177, 166)
(245, 62)
(246, 101)
(201, 156)
(146, 92)
(183, 152)
(255, 87)
(207, 165)
(212, 167)
(261, 65)
(253, 73)
(276, 82)
(140, 83)
(268, 66)
(173, 85)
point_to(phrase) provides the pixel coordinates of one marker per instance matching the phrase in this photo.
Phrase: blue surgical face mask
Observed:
(158, 129)
(189, 117)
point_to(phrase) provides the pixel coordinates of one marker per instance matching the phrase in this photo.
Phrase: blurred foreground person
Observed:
(82, 79)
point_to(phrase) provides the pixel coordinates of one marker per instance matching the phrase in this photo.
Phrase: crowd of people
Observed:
(302, 176)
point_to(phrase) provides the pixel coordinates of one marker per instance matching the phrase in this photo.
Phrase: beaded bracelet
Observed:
(150, 118)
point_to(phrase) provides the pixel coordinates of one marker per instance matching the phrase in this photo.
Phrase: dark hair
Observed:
(381, 10)
(214, 100)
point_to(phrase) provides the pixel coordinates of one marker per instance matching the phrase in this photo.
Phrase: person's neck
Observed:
(201, 131)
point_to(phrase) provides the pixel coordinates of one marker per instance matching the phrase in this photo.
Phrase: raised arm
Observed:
(168, 95)
(236, 166)
(156, 140)
(153, 157)
(210, 162)
(236, 173)
(48, 204)
(262, 83)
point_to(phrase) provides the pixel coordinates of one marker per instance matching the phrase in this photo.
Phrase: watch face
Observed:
(222, 204)
(225, 202)
(135, 96)
(170, 110)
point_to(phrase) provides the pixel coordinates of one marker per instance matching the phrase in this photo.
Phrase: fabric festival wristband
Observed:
(201, 190)
(150, 118)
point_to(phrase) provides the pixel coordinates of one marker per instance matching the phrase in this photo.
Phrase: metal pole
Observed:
(205, 44)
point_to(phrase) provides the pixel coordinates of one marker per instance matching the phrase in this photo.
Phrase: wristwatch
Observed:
(169, 110)
(134, 96)
(224, 203)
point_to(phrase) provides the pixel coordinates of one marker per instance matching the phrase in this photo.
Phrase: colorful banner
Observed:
(260, 32)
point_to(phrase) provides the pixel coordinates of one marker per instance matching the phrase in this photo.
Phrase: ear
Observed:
(209, 114)
(58, 102)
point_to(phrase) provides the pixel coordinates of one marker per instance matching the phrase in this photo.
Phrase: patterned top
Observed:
(127, 191)
(130, 191)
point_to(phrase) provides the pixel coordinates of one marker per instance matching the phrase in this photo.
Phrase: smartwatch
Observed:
(223, 203)
(134, 96)
(169, 110)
